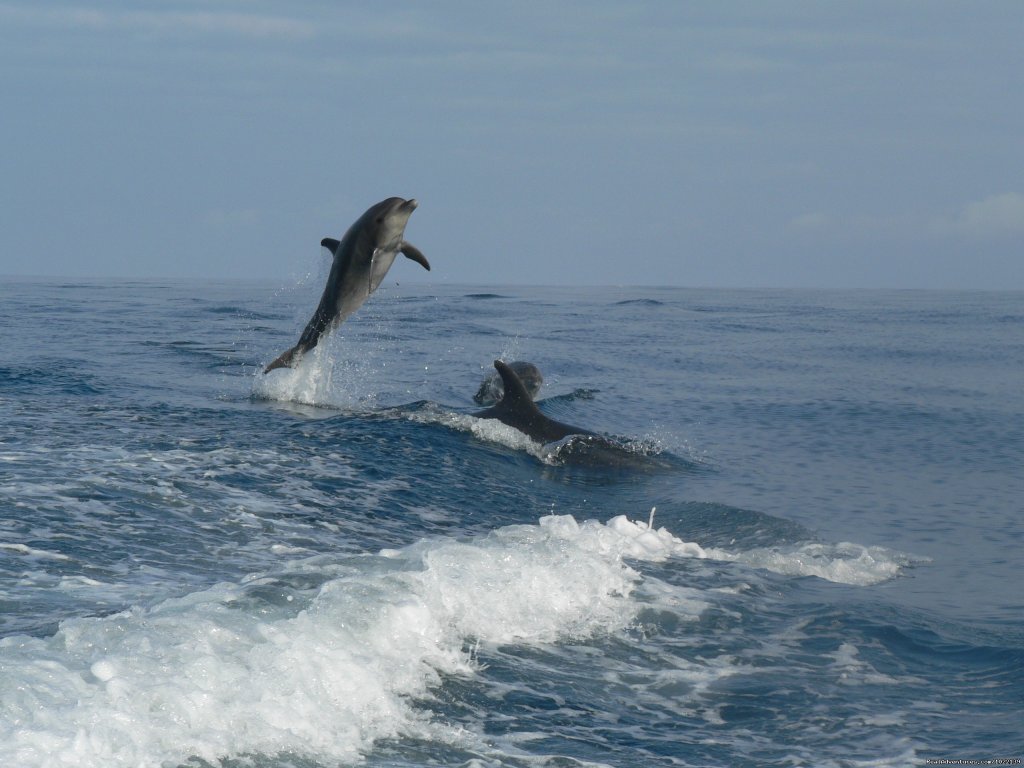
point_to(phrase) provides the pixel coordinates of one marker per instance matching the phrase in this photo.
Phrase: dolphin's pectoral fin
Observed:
(410, 251)
(330, 244)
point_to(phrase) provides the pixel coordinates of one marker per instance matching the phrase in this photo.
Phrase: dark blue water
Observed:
(201, 565)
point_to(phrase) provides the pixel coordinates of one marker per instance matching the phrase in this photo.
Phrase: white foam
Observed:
(489, 430)
(321, 378)
(262, 667)
(553, 453)
(844, 563)
(323, 673)
(23, 549)
(853, 670)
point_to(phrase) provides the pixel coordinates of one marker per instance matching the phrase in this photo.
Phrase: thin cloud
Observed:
(812, 222)
(848, 226)
(234, 219)
(994, 217)
(744, 64)
(201, 22)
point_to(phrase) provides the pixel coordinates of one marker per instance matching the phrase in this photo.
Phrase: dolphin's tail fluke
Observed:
(286, 360)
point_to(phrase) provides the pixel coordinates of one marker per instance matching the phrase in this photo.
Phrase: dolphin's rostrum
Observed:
(361, 260)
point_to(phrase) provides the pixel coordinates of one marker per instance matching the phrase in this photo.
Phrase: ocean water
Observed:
(204, 566)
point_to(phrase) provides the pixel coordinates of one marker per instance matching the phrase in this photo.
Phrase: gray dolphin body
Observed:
(517, 409)
(361, 260)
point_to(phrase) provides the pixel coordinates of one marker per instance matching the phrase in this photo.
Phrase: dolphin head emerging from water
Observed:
(517, 409)
(361, 260)
(492, 389)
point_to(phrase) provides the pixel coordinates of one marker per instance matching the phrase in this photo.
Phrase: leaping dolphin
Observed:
(361, 260)
(517, 409)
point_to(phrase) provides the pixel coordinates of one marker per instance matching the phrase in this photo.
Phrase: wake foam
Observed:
(324, 660)
(488, 430)
(843, 563)
(572, 449)
(337, 653)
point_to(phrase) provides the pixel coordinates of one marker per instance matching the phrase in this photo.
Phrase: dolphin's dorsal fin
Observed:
(410, 251)
(330, 244)
(516, 398)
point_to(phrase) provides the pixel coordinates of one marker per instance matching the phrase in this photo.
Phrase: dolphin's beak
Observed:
(410, 204)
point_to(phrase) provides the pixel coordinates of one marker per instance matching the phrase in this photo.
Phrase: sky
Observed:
(784, 144)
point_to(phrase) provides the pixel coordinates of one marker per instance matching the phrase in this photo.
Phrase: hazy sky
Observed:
(852, 144)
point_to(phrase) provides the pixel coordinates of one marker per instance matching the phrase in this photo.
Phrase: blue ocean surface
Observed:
(202, 565)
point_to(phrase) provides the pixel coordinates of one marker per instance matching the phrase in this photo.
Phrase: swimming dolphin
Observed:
(491, 388)
(517, 410)
(361, 259)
